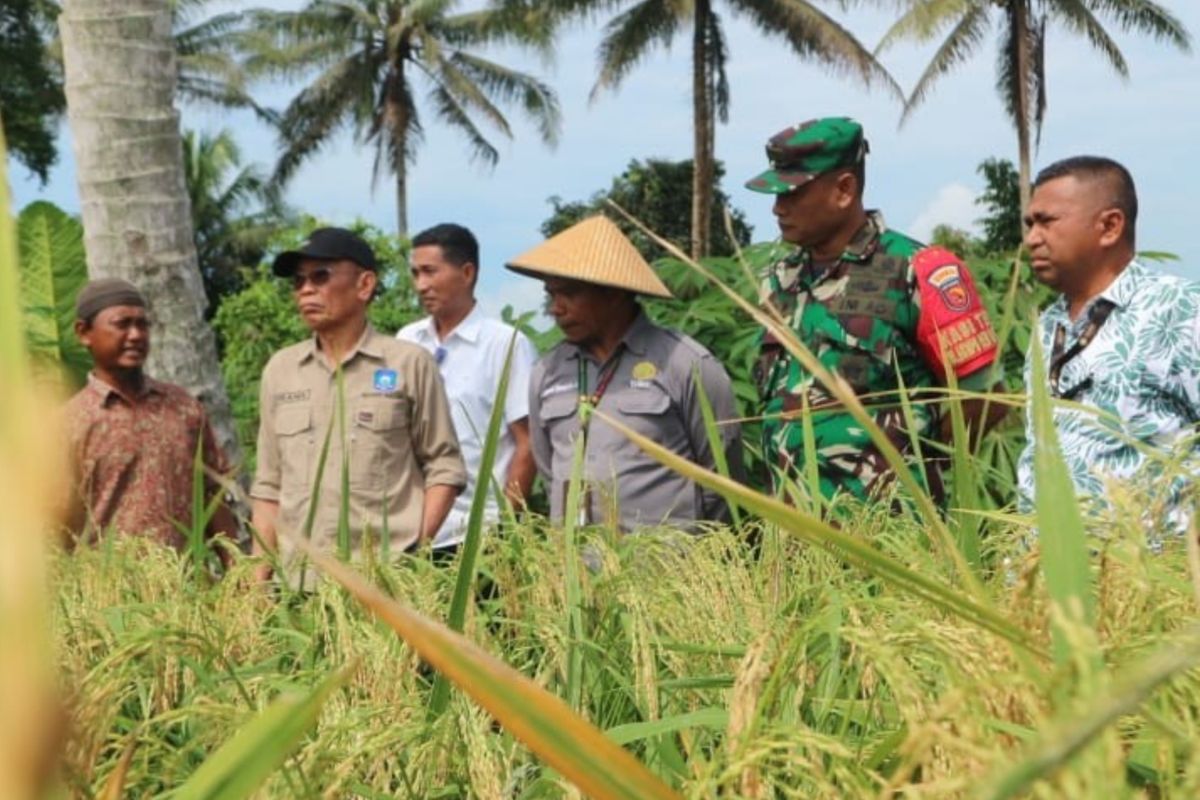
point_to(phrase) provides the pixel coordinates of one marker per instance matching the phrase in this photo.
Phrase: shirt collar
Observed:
(865, 241)
(107, 392)
(1120, 292)
(468, 329)
(635, 340)
(369, 345)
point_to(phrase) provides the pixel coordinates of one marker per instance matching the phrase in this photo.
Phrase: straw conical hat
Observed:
(593, 251)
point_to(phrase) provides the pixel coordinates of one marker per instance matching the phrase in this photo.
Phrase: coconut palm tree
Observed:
(1020, 67)
(800, 24)
(120, 71)
(370, 56)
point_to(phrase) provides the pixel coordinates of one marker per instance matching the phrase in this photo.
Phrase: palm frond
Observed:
(628, 37)
(1079, 19)
(1146, 17)
(959, 45)
(453, 114)
(924, 21)
(718, 57)
(320, 109)
(817, 37)
(535, 98)
(1008, 76)
(468, 95)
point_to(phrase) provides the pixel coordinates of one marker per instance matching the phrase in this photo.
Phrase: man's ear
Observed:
(845, 190)
(1112, 226)
(83, 332)
(368, 280)
(471, 271)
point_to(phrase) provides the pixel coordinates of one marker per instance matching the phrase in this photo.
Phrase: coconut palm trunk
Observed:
(702, 129)
(119, 61)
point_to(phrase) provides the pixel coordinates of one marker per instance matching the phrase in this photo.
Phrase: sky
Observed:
(919, 175)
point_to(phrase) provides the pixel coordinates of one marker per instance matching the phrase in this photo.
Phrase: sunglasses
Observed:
(318, 277)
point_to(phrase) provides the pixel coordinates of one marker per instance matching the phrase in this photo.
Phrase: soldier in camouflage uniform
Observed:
(875, 306)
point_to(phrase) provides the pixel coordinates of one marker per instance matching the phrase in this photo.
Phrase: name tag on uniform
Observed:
(386, 380)
(636, 384)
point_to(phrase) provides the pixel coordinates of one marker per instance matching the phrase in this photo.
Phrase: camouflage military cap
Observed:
(801, 153)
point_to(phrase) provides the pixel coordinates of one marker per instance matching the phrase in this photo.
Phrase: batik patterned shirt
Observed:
(133, 457)
(1143, 400)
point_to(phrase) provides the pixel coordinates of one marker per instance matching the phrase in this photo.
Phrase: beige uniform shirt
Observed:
(398, 439)
(653, 390)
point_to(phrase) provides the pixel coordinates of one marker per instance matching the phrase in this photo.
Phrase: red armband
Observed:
(954, 328)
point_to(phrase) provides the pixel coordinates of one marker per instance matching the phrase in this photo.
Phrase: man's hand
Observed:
(263, 515)
(438, 500)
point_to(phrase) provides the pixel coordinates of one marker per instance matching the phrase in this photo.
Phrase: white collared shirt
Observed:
(471, 360)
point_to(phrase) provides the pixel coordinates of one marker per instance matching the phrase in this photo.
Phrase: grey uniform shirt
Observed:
(653, 391)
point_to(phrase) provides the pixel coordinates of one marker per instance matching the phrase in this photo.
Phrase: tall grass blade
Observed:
(1068, 735)
(825, 536)
(29, 474)
(242, 764)
(1064, 557)
(114, 787)
(573, 588)
(715, 442)
(564, 740)
(473, 540)
(844, 394)
(343, 520)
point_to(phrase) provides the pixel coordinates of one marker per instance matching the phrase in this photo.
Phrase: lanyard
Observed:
(1097, 315)
(587, 403)
(603, 380)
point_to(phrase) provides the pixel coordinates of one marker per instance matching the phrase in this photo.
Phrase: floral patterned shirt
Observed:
(132, 459)
(1144, 371)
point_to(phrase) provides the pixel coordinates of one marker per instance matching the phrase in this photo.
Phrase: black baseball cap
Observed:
(327, 244)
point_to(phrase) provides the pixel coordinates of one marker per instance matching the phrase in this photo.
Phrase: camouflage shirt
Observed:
(870, 317)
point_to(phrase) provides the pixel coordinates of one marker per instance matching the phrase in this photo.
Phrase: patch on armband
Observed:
(947, 280)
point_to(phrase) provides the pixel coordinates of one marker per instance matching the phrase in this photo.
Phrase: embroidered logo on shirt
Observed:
(949, 284)
(385, 380)
(292, 397)
(644, 371)
(557, 388)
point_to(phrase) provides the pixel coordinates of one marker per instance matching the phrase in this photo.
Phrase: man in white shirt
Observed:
(470, 350)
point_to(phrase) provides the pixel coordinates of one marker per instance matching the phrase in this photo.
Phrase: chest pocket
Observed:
(648, 411)
(380, 439)
(860, 333)
(293, 427)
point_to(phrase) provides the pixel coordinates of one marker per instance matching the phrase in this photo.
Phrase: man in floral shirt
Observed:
(134, 439)
(1121, 342)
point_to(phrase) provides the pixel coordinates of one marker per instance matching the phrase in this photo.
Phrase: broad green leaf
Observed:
(1065, 561)
(53, 270)
(566, 741)
(242, 764)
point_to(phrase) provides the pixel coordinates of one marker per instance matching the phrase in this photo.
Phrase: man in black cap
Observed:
(392, 437)
(134, 439)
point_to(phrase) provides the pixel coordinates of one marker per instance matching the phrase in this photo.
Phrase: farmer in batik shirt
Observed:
(134, 439)
(873, 305)
(1121, 341)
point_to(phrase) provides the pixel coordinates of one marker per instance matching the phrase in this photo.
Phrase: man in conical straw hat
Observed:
(625, 366)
